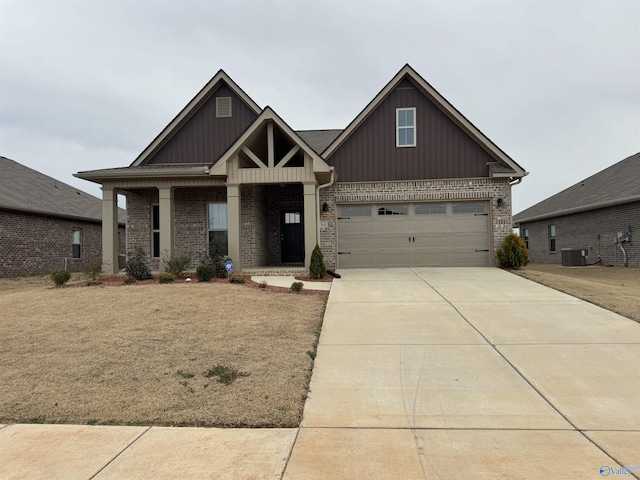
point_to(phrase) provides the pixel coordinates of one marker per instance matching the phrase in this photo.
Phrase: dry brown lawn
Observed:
(138, 354)
(614, 288)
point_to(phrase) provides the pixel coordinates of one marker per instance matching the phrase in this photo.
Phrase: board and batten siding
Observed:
(443, 149)
(204, 137)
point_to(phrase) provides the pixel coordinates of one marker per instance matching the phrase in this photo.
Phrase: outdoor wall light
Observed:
(325, 207)
(500, 202)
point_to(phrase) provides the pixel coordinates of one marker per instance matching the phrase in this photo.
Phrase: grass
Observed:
(142, 354)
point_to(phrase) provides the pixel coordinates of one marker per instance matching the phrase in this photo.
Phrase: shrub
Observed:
(236, 280)
(317, 268)
(205, 272)
(217, 258)
(177, 265)
(296, 287)
(513, 252)
(166, 277)
(60, 277)
(137, 266)
(95, 269)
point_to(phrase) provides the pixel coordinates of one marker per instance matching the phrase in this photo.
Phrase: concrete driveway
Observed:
(420, 374)
(468, 373)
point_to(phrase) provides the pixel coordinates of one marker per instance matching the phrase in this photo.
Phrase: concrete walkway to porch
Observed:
(420, 373)
(285, 281)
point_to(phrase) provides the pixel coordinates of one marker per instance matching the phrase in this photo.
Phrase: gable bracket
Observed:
(253, 157)
(288, 156)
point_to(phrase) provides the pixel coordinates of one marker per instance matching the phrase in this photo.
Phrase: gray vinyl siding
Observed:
(443, 149)
(203, 138)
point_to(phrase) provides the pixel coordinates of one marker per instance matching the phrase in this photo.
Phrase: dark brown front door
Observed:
(292, 236)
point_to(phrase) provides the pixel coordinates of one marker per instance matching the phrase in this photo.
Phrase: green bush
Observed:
(296, 287)
(217, 258)
(60, 277)
(513, 252)
(317, 268)
(166, 277)
(177, 265)
(236, 280)
(137, 266)
(205, 272)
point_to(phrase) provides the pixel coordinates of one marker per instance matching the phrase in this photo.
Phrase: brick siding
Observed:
(415, 191)
(581, 230)
(38, 245)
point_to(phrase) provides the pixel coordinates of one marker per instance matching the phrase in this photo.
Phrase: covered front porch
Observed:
(259, 201)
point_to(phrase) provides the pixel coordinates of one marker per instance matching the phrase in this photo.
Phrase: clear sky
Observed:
(89, 84)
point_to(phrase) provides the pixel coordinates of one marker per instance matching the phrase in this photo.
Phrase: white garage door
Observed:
(414, 235)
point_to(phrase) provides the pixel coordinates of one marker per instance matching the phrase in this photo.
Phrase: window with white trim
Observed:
(218, 228)
(406, 127)
(155, 231)
(76, 244)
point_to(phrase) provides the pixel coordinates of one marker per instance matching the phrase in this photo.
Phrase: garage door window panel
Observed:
(432, 209)
(468, 208)
(355, 211)
(393, 210)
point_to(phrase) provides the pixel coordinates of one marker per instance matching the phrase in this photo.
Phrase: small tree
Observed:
(513, 252)
(137, 266)
(317, 268)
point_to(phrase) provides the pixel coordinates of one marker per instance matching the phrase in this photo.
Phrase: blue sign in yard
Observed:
(228, 266)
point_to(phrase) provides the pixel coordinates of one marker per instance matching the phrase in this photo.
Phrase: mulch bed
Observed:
(119, 281)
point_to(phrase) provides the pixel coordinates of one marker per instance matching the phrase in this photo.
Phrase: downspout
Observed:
(320, 187)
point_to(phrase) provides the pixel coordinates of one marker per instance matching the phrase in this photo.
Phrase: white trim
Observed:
(406, 127)
(155, 230)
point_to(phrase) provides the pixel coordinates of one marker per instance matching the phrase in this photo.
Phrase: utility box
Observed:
(574, 257)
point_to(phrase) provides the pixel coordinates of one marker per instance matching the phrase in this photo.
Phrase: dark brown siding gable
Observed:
(204, 137)
(443, 149)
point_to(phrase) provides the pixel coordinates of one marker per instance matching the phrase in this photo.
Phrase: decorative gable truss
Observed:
(269, 151)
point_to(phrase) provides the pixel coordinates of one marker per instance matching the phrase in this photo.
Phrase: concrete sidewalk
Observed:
(420, 373)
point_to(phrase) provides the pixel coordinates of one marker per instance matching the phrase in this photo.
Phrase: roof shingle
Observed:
(25, 189)
(616, 183)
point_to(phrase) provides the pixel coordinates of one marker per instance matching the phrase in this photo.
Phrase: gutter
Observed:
(192, 172)
(584, 208)
(320, 187)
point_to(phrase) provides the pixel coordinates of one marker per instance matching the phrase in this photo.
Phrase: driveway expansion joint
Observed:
(120, 453)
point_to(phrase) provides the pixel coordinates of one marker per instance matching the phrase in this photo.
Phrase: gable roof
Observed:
(27, 190)
(617, 184)
(186, 113)
(515, 170)
(319, 165)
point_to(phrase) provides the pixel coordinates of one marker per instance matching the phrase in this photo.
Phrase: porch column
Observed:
(233, 225)
(310, 221)
(166, 207)
(109, 230)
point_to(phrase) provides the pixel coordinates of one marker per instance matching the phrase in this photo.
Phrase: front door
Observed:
(292, 236)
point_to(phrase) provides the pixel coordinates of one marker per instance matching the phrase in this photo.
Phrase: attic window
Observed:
(223, 107)
(406, 127)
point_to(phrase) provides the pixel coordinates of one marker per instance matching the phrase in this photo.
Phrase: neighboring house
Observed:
(598, 215)
(410, 182)
(47, 225)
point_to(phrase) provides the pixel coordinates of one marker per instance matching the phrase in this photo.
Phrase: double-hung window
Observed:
(155, 231)
(218, 228)
(76, 244)
(552, 238)
(406, 127)
(525, 236)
